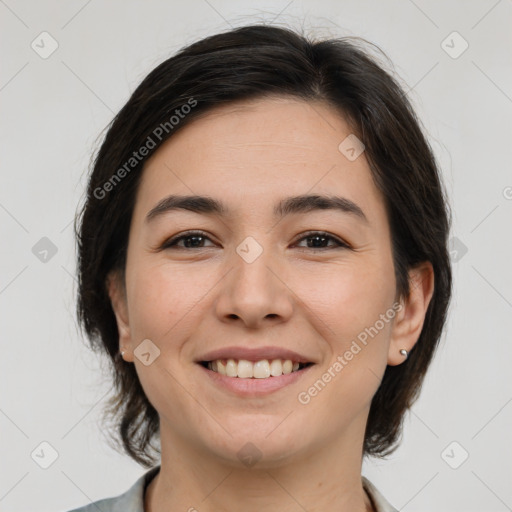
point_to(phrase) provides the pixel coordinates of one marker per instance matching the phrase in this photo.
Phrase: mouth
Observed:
(253, 379)
(262, 369)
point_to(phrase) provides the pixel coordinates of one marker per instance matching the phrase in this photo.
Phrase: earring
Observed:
(404, 353)
(122, 353)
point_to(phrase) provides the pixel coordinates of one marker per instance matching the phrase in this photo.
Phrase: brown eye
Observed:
(319, 239)
(192, 239)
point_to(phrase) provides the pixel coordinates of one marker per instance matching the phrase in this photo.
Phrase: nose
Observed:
(255, 294)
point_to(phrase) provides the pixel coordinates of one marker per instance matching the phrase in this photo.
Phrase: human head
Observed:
(247, 64)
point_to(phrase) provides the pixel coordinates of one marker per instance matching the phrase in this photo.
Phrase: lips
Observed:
(260, 385)
(254, 354)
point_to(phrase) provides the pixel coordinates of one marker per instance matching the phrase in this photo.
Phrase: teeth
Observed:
(261, 369)
(276, 368)
(231, 368)
(221, 367)
(287, 366)
(244, 369)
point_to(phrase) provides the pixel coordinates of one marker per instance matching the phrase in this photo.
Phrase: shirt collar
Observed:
(380, 504)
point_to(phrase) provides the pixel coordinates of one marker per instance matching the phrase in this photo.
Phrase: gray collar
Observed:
(133, 499)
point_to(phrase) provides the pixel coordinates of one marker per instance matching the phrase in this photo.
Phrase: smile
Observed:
(240, 377)
(262, 369)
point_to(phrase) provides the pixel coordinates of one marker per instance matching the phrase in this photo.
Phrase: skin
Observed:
(191, 300)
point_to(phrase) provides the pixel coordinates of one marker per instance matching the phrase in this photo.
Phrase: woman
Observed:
(263, 257)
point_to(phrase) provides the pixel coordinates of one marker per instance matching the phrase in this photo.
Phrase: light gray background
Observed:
(53, 388)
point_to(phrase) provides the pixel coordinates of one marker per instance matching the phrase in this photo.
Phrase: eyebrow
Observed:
(287, 206)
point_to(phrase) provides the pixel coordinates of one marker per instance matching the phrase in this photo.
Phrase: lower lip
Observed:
(253, 386)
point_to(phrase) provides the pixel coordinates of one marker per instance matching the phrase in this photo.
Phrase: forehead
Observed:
(253, 152)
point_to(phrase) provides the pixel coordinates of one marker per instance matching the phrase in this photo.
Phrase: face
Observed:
(315, 281)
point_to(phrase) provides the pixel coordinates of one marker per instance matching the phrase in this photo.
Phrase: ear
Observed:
(117, 293)
(410, 318)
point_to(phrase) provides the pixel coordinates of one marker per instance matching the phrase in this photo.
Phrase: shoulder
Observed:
(379, 502)
(130, 501)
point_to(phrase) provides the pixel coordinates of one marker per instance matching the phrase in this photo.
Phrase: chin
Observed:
(256, 448)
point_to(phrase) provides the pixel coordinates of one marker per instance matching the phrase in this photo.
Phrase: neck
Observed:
(326, 477)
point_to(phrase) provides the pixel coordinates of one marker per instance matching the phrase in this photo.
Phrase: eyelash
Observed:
(170, 243)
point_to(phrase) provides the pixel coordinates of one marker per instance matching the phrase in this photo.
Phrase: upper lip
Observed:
(254, 354)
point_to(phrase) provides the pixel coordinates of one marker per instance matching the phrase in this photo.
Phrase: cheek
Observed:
(347, 298)
(162, 295)
(358, 338)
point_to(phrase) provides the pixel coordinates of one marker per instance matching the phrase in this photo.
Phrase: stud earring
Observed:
(122, 353)
(404, 353)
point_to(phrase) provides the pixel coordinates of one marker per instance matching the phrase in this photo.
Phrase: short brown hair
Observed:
(248, 63)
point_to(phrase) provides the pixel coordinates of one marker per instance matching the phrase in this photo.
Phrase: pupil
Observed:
(195, 237)
(316, 237)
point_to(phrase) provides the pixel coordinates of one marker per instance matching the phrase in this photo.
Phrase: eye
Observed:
(196, 239)
(320, 237)
(192, 239)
